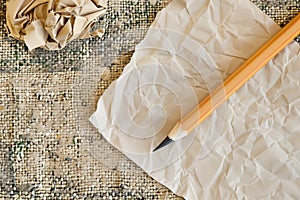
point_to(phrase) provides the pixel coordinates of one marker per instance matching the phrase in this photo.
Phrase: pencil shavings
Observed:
(51, 24)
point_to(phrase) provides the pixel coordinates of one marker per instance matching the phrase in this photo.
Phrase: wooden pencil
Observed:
(259, 59)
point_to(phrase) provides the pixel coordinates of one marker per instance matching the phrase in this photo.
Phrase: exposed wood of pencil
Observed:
(239, 77)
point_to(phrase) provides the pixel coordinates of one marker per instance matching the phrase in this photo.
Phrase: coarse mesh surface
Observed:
(48, 148)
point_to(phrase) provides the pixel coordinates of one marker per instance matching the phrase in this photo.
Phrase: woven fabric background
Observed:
(48, 148)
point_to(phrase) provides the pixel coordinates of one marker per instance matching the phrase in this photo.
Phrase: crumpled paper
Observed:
(51, 24)
(249, 147)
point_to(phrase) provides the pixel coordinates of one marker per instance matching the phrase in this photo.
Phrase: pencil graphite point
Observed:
(165, 142)
(175, 134)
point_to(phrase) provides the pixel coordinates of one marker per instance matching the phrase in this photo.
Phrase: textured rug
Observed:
(48, 148)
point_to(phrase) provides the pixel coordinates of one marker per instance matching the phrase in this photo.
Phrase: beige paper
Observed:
(51, 24)
(249, 147)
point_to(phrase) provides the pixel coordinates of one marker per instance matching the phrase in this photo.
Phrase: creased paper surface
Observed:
(249, 147)
(51, 24)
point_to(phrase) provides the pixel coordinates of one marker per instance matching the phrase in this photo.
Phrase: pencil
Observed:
(247, 70)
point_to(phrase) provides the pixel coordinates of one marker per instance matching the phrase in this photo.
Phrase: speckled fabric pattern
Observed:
(48, 148)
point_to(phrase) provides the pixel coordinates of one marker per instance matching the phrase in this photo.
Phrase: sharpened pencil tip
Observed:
(165, 142)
